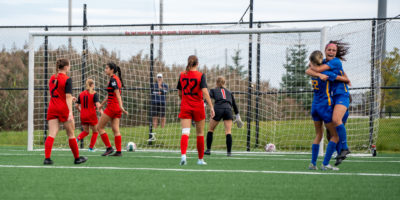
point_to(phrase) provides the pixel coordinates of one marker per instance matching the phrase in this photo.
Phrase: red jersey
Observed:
(191, 83)
(58, 102)
(88, 106)
(115, 83)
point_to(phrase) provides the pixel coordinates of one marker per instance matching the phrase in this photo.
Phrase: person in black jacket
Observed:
(224, 102)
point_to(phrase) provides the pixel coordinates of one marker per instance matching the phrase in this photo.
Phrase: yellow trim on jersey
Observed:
(327, 93)
(344, 84)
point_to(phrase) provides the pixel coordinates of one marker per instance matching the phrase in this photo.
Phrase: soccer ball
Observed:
(270, 147)
(131, 147)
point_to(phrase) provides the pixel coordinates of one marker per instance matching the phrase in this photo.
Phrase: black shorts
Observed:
(224, 113)
(158, 110)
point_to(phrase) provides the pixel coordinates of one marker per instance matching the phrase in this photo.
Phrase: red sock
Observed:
(48, 145)
(118, 141)
(93, 140)
(200, 146)
(105, 139)
(82, 135)
(74, 147)
(184, 143)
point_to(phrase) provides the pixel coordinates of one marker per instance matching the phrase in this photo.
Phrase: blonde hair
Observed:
(89, 84)
(220, 81)
(316, 57)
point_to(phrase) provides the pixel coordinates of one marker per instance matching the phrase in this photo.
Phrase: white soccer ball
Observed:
(131, 146)
(270, 147)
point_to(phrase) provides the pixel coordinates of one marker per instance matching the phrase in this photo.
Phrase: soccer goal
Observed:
(263, 67)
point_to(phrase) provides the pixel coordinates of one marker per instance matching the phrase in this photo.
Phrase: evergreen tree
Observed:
(237, 66)
(295, 80)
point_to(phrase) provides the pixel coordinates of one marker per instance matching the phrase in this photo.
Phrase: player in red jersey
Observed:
(113, 110)
(89, 101)
(192, 86)
(60, 110)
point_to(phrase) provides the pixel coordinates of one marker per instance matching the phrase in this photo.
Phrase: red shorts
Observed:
(62, 116)
(113, 113)
(91, 122)
(194, 114)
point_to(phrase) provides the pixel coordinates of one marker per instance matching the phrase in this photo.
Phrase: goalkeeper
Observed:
(224, 102)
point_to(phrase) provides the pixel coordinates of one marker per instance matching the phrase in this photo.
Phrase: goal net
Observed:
(273, 96)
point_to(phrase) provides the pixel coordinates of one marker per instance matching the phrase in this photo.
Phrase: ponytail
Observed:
(89, 84)
(192, 62)
(220, 81)
(60, 64)
(120, 76)
(116, 69)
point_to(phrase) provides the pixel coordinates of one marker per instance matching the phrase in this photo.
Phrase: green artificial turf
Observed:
(158, 175)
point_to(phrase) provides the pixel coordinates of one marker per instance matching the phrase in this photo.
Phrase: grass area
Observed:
(287, 135)
(149, 175)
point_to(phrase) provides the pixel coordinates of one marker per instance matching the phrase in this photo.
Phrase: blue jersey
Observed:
(322, 89)
(322, 108)
(338, 87)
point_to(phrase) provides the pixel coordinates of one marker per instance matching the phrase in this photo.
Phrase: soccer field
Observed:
(157, 175)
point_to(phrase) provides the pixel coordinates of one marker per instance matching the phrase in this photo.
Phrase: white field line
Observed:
(244, 153)
(214, 158)
(201, 170)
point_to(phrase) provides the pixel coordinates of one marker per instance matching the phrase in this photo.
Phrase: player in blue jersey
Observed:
(335, 52)
(321, 111)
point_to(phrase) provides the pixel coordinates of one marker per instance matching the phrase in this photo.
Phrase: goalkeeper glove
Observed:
(238, 121)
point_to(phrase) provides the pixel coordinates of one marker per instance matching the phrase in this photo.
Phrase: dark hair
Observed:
(116, 69)
(316, 57)
(60, 64)
(342, 48)
(192, 61)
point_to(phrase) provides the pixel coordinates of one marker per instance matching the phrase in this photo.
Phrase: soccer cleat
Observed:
(80, 160)
(207, 152)
(201, 162)
(342, 156)
(183, 160)
(312, 167)
(329, 167)
(152, 138)
(229, 154)
(91, 150)
(108, 151)
(118, 153)
(48, 161)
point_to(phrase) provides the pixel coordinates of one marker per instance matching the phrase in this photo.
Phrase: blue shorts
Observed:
(346, 115)
(322, 113)
(341, 99)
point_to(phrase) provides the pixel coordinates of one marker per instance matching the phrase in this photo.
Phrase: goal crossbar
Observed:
(173, 32)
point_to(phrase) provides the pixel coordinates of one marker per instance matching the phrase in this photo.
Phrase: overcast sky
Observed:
(54, 12)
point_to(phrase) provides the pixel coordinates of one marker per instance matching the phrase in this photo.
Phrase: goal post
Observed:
(284, 115)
